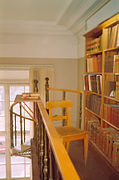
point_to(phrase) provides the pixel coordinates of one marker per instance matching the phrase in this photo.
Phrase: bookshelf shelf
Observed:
(112, 49)
(93, 112)
(101, 87)
(111, 124)
(93, 73)
(95, 53)
(105, 157)
(91, 92)
(112, 98)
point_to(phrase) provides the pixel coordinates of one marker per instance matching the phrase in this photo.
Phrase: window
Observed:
(11, 166)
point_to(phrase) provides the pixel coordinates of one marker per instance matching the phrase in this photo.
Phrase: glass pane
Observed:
(2, 150)
(1, 93)
(27, 170)
(2, 123)
(16, 109)
(17, 170)
(15, 90)
(2, 171)
(27, 125)
(26, 89)
(28, 160)
(2, 111)
(17, 160)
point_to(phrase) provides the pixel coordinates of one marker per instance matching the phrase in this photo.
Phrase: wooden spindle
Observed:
(11, 127)
(41, 150)
(35, 86)
(21, 124)
(80, 120)
(45, 170)
(46, 89)
(24, 130)
(50, 163)
(15, 131)
(63, 110)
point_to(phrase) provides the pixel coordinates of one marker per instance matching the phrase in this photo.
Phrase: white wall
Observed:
(58, 50)
(65, 74)
(40, 46)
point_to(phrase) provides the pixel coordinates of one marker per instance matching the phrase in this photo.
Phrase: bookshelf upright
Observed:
(101, 88)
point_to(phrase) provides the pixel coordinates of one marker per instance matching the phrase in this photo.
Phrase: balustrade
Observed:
(50, 160)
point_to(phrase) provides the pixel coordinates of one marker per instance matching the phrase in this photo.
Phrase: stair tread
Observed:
(28, 143)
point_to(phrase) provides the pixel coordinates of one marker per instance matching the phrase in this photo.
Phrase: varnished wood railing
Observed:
(50, 160)
(19, 120)
(54, 161)
(64, 92)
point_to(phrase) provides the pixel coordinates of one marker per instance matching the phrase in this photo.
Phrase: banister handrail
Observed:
(66, 90)
(24, 117)
(64, 163)
(48, 148)
(13, 105)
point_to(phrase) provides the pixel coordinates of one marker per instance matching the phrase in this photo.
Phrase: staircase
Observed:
(19, 145)
(43, 147)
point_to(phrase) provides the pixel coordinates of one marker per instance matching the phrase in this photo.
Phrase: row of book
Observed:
(93, 103)
(31, 96)
(117, 90)
(112, 36)
(94, 63)
(111, 113)
(93, 82)
(111, 86)
(106, 139)
(111, 62)
(93, 45)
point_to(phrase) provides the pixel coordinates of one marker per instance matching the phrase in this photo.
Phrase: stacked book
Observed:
(94, 63)
(106, 139)
(112, 36)
(93, 83)
(93, 103)
(93, 45)
(111, 113)
(31, 96)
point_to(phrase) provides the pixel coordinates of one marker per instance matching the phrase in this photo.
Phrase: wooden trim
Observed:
(26, 110)
(63, 161)
(24, 117)
(67, 90)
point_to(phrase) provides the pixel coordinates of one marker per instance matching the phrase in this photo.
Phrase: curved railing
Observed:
(50, 160)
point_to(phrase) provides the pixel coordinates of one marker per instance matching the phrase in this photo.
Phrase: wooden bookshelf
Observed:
(101, 87)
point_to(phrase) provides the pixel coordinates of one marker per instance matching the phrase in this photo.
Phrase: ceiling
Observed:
(36, 15)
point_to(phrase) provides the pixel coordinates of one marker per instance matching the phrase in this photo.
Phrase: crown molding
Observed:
(14, 67)
(96, 6)
(33, 27)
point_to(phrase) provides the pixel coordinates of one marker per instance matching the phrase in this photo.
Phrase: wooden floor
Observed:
(96, 169)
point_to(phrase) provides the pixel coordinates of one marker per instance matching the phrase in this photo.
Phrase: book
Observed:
(99, 83)
(117, 90)
(31, 96)
(116, 64)
(86, 84)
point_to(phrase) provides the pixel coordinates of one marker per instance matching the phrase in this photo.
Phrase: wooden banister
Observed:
(64, 163)
(48, 152)
(65, 90)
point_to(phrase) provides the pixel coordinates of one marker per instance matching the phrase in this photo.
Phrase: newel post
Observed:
(46, 89)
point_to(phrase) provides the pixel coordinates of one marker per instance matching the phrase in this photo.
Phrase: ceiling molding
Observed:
(75, 28)
(31, 27)
(14, 67)
(63, 12)
(70, 11)
(63, 17)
